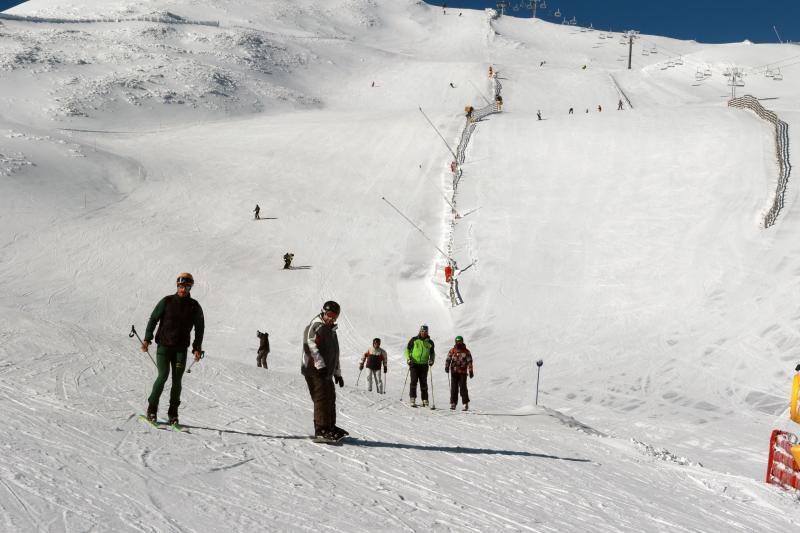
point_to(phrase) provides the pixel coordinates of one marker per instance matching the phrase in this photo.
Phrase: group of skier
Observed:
(177, 314)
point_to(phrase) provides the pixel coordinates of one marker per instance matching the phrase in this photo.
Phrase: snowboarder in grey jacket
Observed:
(263, 349)
(320, 367)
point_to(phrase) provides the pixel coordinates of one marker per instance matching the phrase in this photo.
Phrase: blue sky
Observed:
(709, 21)
(7, 4)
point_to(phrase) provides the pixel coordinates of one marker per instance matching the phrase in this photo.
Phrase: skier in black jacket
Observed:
(263, 349)
(176, 314)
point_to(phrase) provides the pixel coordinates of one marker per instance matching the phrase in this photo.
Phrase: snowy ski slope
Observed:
(625, 248)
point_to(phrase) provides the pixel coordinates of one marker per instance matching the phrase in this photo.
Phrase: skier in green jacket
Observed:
(176, 314)
(420, 354)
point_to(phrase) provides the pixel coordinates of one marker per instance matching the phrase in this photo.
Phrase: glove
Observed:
(797, 368)
(384, 370)
(471, 375)
(361, 367)
(339, 380)
(447, 370)
(430, 362)
(410, 362)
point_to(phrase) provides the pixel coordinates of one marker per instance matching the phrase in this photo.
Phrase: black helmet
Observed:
(331, 307)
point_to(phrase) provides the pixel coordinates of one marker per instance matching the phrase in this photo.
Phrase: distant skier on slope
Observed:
(459, 364)
(263, 349)
(374, 359)
(619, 105)
(287, 260)
(257, 210)
(320, 367)
(420, 354)
(539, 114)
(175, 315)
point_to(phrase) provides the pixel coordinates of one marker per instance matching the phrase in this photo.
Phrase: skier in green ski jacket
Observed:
(420, 354)
(176, 314)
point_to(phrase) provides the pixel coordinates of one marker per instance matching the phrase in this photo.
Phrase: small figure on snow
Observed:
(499, 100)
(459, 365)
(373, 84)
(452, 86)
(539, 114)
(374, 359)
(571, 110)
(468, 112)
(287, 260)
(599, 109)
(263, 349)
(541, 63)
(320, 367)
(420, 354)
(175, 315)
(619, 105)
(257, 211)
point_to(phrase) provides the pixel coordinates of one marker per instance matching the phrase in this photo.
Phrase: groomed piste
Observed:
(648, 256)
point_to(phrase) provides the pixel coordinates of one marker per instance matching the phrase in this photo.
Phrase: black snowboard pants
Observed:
(458, 382)
(323, 394)
(419, 373)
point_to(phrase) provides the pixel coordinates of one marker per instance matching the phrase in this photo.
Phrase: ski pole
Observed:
(202, 355)
(359, 376)
(131, 334)
(404, 383)
(433, 400)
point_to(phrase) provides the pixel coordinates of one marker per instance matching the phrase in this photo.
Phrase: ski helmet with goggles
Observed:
(185, 279)
(331, 307)
(459, 339)
(424, 327)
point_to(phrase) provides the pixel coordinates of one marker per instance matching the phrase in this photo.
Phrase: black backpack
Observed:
(374, 361)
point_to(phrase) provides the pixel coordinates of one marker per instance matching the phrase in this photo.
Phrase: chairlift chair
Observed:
(679, 61)
(543, 5)
(698, 76)
(645, 52)
(777, 76)
(557, 13)
(573, 21)
(707, 72)
(654, 50)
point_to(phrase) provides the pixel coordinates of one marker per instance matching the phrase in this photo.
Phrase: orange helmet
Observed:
(184, 278)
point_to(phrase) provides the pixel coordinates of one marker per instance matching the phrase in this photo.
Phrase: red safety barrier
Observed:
(782, 468)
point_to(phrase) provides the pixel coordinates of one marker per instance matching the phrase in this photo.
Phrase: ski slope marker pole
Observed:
(539, 364)
(131, 334)
(455, 157)
(417, 228)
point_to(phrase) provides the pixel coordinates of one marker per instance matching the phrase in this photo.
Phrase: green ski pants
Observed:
(166, 358)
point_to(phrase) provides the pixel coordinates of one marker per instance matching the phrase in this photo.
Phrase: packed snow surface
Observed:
(626, 249)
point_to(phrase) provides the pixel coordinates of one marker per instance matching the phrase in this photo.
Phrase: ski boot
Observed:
(172, 414)
(152, 411)
(466, 406)
(452, 407)
(339, 433)
(327, 436)
(413, 402)
(424, 403)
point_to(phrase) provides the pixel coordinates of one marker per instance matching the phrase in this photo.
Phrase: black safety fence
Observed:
(781, 151)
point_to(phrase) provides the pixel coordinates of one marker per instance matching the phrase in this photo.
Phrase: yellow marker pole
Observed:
(793, 403)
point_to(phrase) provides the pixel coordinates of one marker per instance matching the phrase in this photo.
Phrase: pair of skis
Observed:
(160, 424)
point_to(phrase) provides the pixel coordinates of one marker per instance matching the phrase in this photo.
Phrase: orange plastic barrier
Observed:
(782, 467)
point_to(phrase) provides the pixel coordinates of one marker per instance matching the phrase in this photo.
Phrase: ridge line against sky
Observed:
(701, 20)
